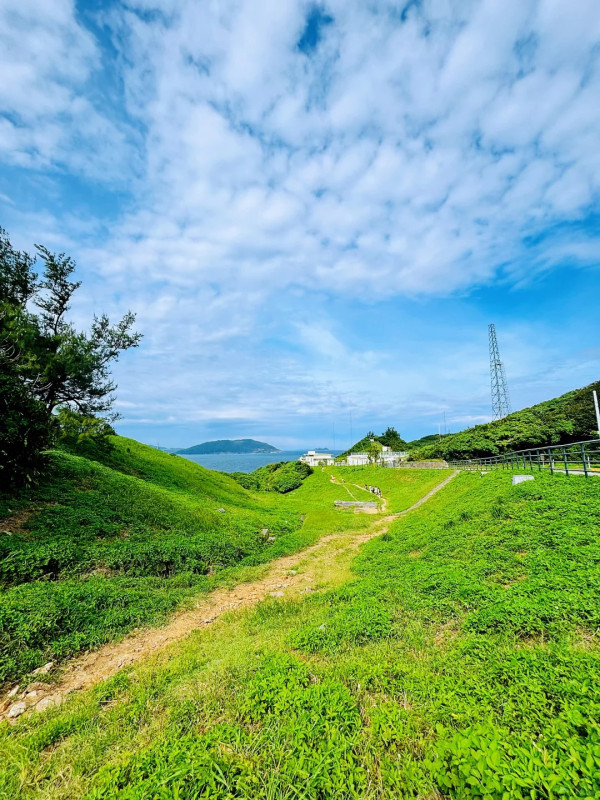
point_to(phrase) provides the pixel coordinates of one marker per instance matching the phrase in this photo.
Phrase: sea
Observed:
(245, 462)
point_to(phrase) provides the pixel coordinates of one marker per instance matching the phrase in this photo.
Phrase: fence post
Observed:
(530, 461)
(566, 463)
(551, 461)
(539, 461)
(585, 469)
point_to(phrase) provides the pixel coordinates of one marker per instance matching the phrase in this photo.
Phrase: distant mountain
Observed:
(229, 446)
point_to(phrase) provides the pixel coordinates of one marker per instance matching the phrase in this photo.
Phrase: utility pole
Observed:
(500, 399)
(597, 412)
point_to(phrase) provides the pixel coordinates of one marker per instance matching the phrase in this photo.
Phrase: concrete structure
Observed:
(314, 459)
(521, 479)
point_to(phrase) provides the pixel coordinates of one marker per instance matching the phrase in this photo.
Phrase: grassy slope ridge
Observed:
(461, 662)
(568, 418)
(99, 548)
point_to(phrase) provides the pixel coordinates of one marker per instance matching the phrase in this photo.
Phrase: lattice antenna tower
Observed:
(500, 399)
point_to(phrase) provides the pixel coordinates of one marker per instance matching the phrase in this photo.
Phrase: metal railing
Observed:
(578, 458)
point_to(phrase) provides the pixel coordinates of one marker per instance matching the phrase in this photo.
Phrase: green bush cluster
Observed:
(389, 438)
(282, 477)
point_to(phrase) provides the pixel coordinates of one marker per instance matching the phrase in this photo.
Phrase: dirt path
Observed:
(342, 485)
(288, 576)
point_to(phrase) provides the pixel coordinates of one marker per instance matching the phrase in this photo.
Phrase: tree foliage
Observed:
(389, 438)
(47, 364)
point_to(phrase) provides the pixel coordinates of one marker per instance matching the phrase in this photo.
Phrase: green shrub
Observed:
(282, 477)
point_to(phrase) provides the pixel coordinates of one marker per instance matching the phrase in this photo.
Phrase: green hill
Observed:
(389, 438)
(431, 438)
(229, 446)
(117, 539)
(568, 418)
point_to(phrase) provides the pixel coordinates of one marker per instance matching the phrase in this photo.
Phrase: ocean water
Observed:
(242, 462)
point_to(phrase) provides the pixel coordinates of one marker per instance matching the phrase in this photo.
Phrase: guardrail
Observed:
(578, 458)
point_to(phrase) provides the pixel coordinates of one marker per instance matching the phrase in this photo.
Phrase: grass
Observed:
(400, 493)
(461, 661)
(100, 548)
(124, 536)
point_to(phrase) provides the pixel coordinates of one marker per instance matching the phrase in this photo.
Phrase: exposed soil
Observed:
(286, 577)
(17, 522)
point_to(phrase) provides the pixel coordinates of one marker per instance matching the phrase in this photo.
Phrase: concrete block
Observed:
(521, 479)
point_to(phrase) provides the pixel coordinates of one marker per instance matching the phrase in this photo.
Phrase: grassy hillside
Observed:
(462, 661)
(282, 477)
(123, 536)
(568, 418)
(400, 490)
(432, 438)
(99, 548)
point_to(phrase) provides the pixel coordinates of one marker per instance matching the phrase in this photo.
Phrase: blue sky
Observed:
(314, 209)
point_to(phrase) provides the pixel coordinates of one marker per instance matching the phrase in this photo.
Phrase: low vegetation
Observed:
(94, 549)
(282, 477)
(461, 661)
(565, 419)
(119, 534)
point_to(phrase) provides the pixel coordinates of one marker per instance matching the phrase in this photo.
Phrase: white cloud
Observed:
(46, 62)
(400, 158)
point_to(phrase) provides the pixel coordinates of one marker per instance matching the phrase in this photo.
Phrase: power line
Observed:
(500, 398)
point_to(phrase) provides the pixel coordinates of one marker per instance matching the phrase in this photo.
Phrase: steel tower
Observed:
(500, 398)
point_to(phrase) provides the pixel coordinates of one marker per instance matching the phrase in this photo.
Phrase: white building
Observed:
(387, 457)
(314, 459)
(357, 459)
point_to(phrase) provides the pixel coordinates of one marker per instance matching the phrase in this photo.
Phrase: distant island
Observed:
(229, 446)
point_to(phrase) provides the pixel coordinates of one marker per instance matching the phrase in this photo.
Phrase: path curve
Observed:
(88, 669)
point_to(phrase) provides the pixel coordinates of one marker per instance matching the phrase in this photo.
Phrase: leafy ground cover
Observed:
(462, 661)
(123, 536)
(95, 550)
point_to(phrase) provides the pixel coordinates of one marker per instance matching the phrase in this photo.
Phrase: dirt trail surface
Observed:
(288, 576)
